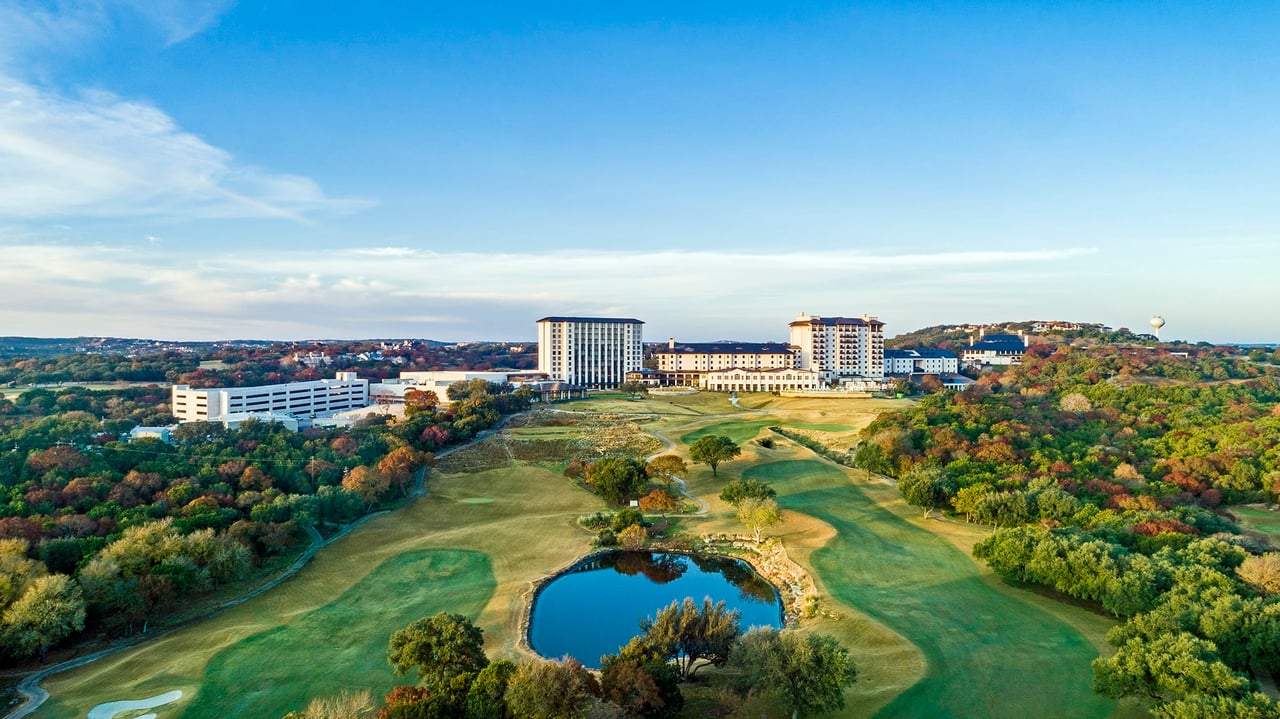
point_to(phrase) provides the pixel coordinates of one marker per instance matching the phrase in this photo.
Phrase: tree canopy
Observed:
(806, 672)
(439, 648)
(712, 449)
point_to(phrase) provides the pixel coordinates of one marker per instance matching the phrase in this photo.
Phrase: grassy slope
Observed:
(1259, 520)
(934, 634)
(528, 530)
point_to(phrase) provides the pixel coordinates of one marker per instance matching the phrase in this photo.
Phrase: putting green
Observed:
(988, 653)
(341, 645)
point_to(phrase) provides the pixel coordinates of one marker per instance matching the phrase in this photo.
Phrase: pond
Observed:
(596, 607)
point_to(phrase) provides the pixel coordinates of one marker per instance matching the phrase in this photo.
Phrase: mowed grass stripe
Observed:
(342, 645)
(744, 431)
(989, 654)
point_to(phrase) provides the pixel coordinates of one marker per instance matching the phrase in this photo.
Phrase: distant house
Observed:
(995, 350)
(164, 434)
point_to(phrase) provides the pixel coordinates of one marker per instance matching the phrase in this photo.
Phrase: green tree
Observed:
(51, 609)
(665, 467)
(617, 479)
(486, 699)
(691, 635)
(440, 648)
(712, 449)
(739, 489)
(1171, 666)
(806, 672)
(550, 690)
(1254, 705)
(926, 486)
(759, 514)
(635, 388)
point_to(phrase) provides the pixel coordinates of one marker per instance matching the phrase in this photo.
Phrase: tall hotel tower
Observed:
(840, 347)
(594, 352)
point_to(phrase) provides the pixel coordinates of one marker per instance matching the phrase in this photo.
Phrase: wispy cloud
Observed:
(463, 295)
(93, 153)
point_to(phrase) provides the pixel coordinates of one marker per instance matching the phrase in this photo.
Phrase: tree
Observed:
(367, 482)
(418, 401)
(617, 479)
(926, 486)
(626, 683)
(759, 514)
(713, 449)
(486, 699)
(550, 690)
(658, 500)
(1171, 666)
(806, 672)
(1262, 572)
(635, 388)
(633, 537)
(51, 609)
(440, 648)
(665, 467)
(400, 464)
(739, 489)
(690, 634)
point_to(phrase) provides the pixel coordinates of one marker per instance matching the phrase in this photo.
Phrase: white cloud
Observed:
(93, 153)
(102, 155)
(461, 295)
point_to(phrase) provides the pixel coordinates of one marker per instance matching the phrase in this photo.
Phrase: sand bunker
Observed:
(110, 709)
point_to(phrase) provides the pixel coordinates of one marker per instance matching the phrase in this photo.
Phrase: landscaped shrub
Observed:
(627, 518)
(658, 501)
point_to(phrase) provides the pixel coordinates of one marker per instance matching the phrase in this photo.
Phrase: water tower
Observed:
(1157, 322)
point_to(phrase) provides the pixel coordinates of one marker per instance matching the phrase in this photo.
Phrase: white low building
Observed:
(925, 361)
(392, 391)
(295, 399)
(740, 379)
(995, 350)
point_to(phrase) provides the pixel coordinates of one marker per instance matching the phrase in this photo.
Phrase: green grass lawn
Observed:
(1260, 521)
(988, 653)
(344, 643)
(743, 431)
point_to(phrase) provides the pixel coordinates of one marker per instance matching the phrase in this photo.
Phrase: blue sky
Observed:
(457, 170)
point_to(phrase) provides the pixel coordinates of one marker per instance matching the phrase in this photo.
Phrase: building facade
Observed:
(926, 361)
(839, 348)
(594, 352)
(761, 380)
(707, 356)
(345, 391)
(995, 350)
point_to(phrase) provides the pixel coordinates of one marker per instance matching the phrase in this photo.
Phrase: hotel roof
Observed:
(618, 320)
(721, 348)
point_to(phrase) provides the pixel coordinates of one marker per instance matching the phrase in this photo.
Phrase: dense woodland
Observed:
(103, 536)
(1105, 471)
(244, 366)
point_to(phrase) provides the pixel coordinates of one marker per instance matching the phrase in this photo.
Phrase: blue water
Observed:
(593, 611)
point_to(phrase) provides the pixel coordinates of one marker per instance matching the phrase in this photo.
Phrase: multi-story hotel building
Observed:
(839, 348)
(707, 356)
(345, 391)
(594, 352)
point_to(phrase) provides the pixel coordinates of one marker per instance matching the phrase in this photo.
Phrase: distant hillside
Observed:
(1046, 331)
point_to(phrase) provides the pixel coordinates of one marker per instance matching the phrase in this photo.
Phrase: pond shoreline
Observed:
(792, 586)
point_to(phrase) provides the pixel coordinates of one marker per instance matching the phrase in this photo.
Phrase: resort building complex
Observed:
(297, 399)
(593, 352)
